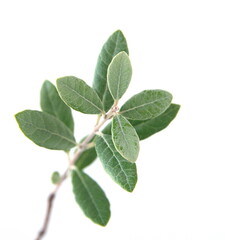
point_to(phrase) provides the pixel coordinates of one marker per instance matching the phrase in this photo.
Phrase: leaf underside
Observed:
(90, 198)
(45, 130)
(52, 103)
(125, 138)
(146, 105)
(115, 44)
(122, 171)
(119, 75)
(78, 95)
(147, 128)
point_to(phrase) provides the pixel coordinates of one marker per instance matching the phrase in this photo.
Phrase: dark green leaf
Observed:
(55, 177)
(149, 127)
(119, 75)
(146, 105)
(125, 138)
(90, 198)
(115, 44)
(122, 171)
(86, 158)
(53, 104)
(78, 95)
(45, 130)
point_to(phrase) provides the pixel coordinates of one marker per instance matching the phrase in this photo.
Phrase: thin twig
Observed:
(76, 155)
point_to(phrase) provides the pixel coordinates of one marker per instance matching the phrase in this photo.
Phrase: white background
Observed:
(178, 46)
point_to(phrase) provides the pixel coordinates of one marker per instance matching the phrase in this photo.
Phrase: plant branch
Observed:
(75, 157)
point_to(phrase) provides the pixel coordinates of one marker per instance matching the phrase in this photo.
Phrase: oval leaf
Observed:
(53, 104)
(55, 177)
(45, 130)
(149, 127)
(115, 44)
(86, 158)
(90, 198)
(122, 172)
(125, 138)
(146, 104)
(78, 95)
(119, 75)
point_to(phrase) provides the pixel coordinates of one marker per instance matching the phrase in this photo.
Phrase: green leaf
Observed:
(119, 75)
(122, 171)
(45, 130)
(115, 44)
(53, 104)
(125, 138)
(90, 198)
(149, 127)
(86, 158)
(79, 96)
(55, 177)
(146, 105)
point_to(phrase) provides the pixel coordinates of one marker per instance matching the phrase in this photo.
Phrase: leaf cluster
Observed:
(117, 145)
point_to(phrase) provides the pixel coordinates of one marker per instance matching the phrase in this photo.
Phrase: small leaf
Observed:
(125, 138)
(119, 75)
(122, 172)
(55, 177)
(90, 198)
(149, 127)
(53, 104)
(86, 158)
(79, 96)
(115, 44)
(146, 105)
(45, 130)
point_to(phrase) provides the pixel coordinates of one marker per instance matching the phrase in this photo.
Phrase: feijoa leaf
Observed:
(115, 44)
(122, 171)
(149, 127)
(125, 138)
(53, 104)
(79, 96)
(86, 158)
(119, 75)
(45, 130)
(146, 105)
(91, 198)
(55, 177)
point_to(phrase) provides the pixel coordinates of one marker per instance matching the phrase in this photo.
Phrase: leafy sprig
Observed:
(116, 145)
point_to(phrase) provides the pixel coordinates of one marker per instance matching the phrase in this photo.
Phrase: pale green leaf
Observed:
(119, 75)
(90, 198)
(125, 138)
(78, 95)
(149, 127)
(115, 44)
(146, 105)
(122, 171)
(146, 128)
(55, 177)
(45, 130)
(53, 104)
